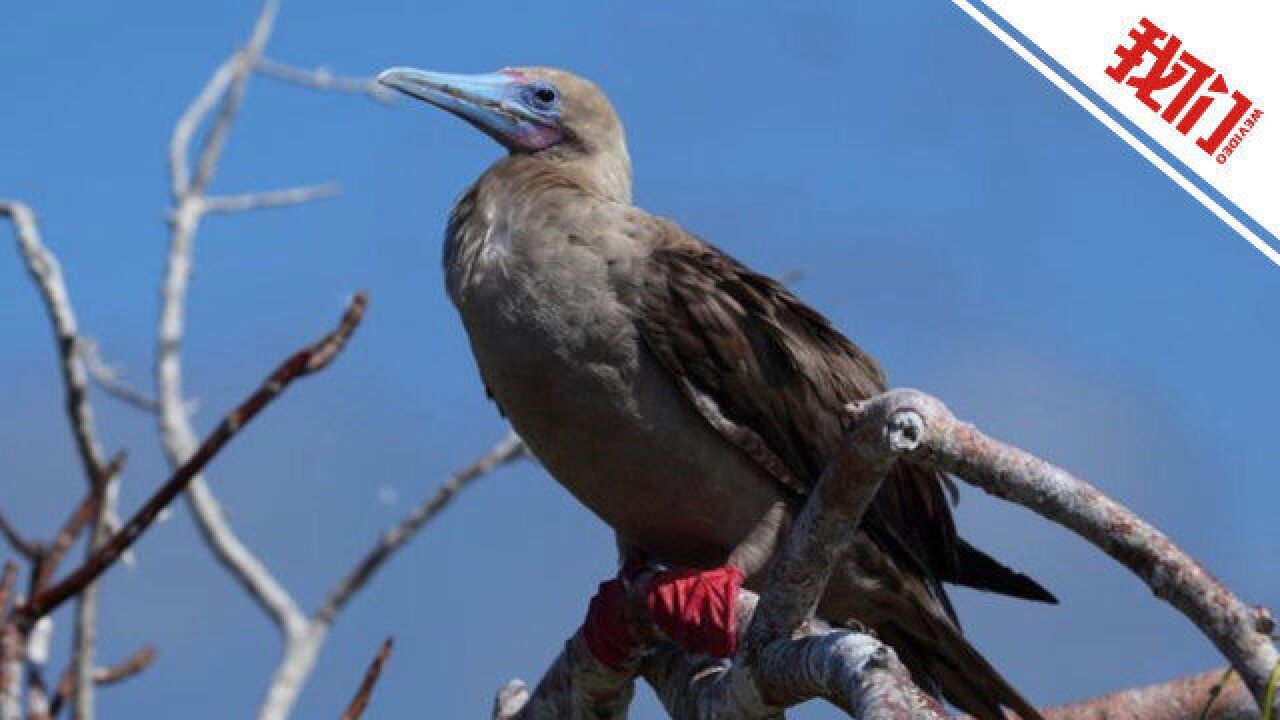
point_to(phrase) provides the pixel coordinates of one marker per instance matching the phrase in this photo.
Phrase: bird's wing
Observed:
(772, 375)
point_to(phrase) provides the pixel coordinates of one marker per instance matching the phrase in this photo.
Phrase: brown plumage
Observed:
(685, 399)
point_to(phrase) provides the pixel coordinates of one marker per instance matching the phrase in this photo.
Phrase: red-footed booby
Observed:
(685, 399)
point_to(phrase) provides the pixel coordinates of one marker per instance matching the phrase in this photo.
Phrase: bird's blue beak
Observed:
(517, 111)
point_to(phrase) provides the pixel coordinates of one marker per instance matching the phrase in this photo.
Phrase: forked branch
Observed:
(788, 656)
(305, 362)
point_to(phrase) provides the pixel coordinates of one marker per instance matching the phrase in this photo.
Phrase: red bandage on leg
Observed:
(606, 630)
(698, 609)
(695, 608)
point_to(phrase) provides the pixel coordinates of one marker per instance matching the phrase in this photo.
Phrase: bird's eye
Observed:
(544, 96)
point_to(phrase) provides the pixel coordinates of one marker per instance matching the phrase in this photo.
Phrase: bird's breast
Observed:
(557, 346)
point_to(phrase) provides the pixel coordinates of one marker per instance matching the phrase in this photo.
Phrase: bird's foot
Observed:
(696, 609)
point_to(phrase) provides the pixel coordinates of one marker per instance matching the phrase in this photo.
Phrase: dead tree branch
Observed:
(110, 381)
(300, 652)
(10, 650)
(20, 544)
(51, 555)
(21, 625)
(507, 450)
(305, 362)
(325, 80)
(788, 657)
(47, 274)
(110, 675)
(44, 559)
(224, 88)
(853, 671)
(1211, 695)
(223, 93)
(270, 198)
(1241, 633)
(361, 700)
(127, 668)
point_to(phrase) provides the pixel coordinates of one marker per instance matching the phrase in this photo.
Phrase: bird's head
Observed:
(527, 109)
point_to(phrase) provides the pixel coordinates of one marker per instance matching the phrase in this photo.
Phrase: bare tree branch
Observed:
(185, 128)
(270, 198)
(325, 80)
(74, 525)
(507, 450)
(47, 274)
(576, 685)
(177, 434)
(363, 693)
(1210, 695)
(786, 659)
(1240, 632)
(24, 547)
(242, 64)
(224, 90)
(820, 536)
(109, 379)
(301, 650)
(305, 362)
(127, 668)
(853, 671)
(110, 675)
(10, 650)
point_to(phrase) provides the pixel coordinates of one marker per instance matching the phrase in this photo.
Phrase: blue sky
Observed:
(954, 213)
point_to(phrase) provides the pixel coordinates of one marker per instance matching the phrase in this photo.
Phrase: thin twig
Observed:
(325, 80)
(24, 547)
(127, 668)
(508, 449)
(131, 666)
(185, 128)
(242, 64)
(305, 362)
(361, 700)
(7, 579)
(270, 198)
(302, 649)
(45, 270)
(109, 379)
(74, 525)
(47, 274)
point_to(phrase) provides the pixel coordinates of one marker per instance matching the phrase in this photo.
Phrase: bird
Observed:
(687, 400)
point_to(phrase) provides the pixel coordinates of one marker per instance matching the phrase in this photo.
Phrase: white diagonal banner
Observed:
(1189, 85)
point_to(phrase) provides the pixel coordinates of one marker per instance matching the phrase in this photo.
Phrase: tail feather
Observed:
(943, 662)
(910, 614)
(976, 569)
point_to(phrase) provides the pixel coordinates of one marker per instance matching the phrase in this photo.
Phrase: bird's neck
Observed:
(509, 191)
(604, 174)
